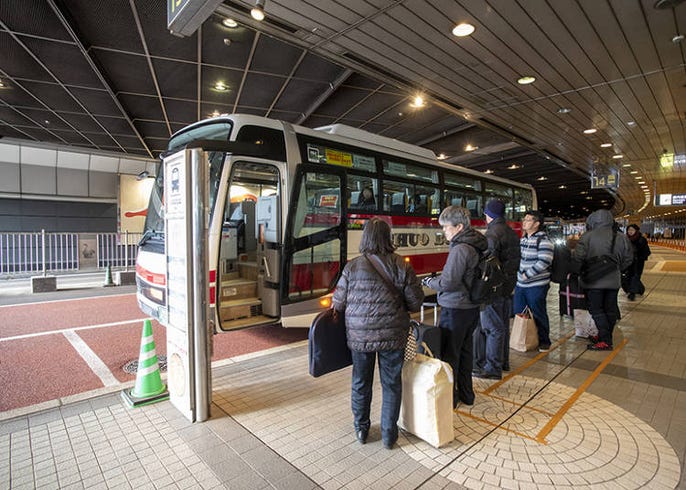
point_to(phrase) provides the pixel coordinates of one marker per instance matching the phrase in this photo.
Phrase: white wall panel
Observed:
(68, 159)
(38, 156)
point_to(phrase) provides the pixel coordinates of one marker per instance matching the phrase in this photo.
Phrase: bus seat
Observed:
(354, 199)
(398, 202)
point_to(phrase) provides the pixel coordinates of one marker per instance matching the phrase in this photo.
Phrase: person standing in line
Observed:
(459, 316)
(533, 277)
(641, 253)
(377, 326)
(602, 293)
(503, 243)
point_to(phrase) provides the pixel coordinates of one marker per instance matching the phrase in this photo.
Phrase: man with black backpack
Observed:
(491, 349)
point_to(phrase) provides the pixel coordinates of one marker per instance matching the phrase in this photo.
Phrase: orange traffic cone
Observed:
(149, 387)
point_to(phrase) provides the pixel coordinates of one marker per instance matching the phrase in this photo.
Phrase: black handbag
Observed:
(327, 343)
(597, 267)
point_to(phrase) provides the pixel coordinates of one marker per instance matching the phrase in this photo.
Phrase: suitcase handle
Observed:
(429, 305)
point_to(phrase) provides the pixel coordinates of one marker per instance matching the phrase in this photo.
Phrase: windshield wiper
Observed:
(146, 236)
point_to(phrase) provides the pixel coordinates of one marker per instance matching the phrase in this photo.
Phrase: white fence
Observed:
(41, 252)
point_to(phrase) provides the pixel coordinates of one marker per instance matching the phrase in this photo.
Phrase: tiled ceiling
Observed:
(109, 75)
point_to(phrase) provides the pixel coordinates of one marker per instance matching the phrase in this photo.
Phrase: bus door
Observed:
(250, 246)
(315, 243)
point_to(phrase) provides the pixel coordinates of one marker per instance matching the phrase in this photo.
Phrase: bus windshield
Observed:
(218, 131)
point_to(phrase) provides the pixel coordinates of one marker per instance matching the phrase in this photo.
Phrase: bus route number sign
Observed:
(608, 180)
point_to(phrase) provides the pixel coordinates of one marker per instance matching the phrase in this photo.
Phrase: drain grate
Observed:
(131, 367)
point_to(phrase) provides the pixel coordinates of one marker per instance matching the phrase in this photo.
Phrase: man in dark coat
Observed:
(459, 316)
(492, 339)
(377, 325)
(602, 293)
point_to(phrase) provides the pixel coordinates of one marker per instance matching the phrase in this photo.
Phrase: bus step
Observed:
(248, 322)
(238, 289)
(240, 308)
(248, 270)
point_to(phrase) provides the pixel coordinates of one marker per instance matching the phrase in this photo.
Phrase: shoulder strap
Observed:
(384, 277)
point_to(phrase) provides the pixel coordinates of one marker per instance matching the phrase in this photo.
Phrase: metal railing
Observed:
(41, 252)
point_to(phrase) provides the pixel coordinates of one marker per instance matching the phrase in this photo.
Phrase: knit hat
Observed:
(494, 209)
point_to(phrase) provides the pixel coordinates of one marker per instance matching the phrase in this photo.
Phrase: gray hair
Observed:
(455, 215)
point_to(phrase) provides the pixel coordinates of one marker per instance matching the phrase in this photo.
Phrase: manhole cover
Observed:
(131, 367)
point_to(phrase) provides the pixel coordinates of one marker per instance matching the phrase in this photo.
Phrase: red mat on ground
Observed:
(40, 369)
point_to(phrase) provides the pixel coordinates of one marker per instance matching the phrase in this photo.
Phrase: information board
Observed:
(605, 180)
(670, 200)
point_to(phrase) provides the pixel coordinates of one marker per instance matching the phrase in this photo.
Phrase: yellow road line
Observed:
(579, 391)
(524, 366)
(498, 426)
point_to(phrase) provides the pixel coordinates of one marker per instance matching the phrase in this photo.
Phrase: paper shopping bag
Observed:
(524, 336)
(427, 403)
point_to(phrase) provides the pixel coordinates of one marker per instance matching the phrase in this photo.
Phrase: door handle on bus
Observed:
(266, 267)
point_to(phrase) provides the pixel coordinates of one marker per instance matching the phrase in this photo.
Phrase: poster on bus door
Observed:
(177, 215)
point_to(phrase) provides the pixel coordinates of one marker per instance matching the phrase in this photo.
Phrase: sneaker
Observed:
(543, 347)
(593, 339)
(485, 375)
(600, 346)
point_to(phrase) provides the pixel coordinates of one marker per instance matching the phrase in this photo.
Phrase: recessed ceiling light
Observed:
(488, 171)
(641, 182)
(564, 110)
(215, 114)
(228, 22)
(514, 166)
(634, 172)
(618, 156)
(418, 101)
(606, 145)
(2, 84)
(257, 11)
(470, 147)
(526, 80)
(462, 30)
(221, 87)
(626, 165)
(542, 177)
(562, 187)
(631, 124)
(583, 192)
(400, 114)
(442, 156)
(590, 131)
(637, 177)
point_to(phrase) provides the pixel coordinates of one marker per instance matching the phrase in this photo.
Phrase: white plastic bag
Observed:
(427, 405)
(584, 326)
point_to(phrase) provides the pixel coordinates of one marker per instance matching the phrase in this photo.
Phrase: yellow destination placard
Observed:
(335, 157)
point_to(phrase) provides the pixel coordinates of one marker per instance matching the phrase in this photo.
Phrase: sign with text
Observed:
(605, 180)
(670, 200)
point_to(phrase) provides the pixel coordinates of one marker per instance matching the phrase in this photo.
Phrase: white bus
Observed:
(287, 212)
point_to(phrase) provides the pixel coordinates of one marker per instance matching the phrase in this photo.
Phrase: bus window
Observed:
(271, 140)
(502, 193)
(468, 200)
(523, 200)
(363, 192)
(462, 181)
(408, 170)
(406, 198)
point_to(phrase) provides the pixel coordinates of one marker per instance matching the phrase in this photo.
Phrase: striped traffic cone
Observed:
(149, 387)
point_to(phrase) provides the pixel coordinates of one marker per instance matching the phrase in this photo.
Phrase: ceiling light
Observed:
(634, 172)
(227, 22)
(418, 101)
(590, 131)
(462, 30)
(583, 192)
(562, 187)
(564, 110)
(221, 87)
(542, 177)
(488, 171)
(526, 80)
(626, 165)
(442, 156)
(514, 166)
(2, 84)
(617, 156)
(637, 177)
(215, 114)
(606, 145)
(470, 147)
(631, 124)
(641, 182)
(257, 12)
(678, 38)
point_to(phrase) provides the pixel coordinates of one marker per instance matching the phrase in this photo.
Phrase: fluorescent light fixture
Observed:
(526, 80)
(590, 131)
(618, 156)
(606, 145)
(257, 12)
(626, 165)
(462, 30)
(634, 172)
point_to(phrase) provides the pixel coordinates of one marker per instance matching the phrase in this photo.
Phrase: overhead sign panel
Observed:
(605, 180)
(671, 200)
(185, 16)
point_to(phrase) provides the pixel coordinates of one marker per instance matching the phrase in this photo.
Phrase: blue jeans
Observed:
(390, 369)
(494, 350)
(535, 299)
(602, 305)
(457, 327)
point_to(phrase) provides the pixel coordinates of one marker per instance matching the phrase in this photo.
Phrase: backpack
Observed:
(489, 279)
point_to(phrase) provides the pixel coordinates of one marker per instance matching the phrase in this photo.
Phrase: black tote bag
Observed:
(327, 343)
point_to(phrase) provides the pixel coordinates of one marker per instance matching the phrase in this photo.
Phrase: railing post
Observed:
(126, 250)
(42, 232)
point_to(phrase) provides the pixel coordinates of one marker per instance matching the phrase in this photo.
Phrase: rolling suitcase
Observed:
(427, 334)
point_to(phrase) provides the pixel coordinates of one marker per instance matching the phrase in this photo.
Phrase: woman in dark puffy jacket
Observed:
(377, 324)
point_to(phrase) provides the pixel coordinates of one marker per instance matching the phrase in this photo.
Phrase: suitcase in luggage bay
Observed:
(427, 334)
